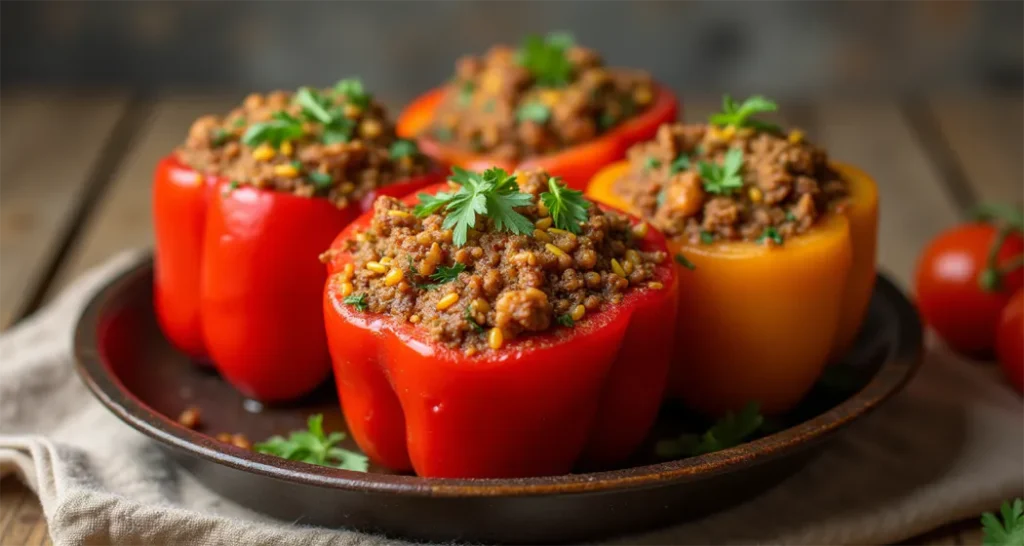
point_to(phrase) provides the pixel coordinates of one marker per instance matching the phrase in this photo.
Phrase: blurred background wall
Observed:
(780, 48)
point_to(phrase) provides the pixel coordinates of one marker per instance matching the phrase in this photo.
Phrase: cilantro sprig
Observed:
(545, 58)
(565, 320)
(493, 193)
(1009, 531)
(567, 207)
(770, 234)
(403, 148)
(725, 178)
(280, 127)
(314, 447)
(354, 92)
(356, 300)
(731, 430)
(740, 115)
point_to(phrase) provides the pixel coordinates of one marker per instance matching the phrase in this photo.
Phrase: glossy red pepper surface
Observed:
(539, 405)
(254, 282)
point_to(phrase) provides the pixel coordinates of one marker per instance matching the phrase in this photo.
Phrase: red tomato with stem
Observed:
(1010, 341)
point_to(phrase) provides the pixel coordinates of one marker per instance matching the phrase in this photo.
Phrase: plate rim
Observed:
(892, 377)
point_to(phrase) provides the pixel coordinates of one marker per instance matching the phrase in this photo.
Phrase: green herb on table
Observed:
(1009, 531)
(403, 148)
(356, 300)
(725, 178)
(567, 207)
(566, 320)
(740, 115)
(493, 194)
(729, 431)
(533, 111)
(546, 59)
(683, 261)
(355, 94)
(770, 233)
(314, 447)
(280, 127)
(468, 315)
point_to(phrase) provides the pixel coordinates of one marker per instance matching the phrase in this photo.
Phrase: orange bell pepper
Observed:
(576, 165)
(759, 323)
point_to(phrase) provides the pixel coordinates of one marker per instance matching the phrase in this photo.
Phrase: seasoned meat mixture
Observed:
(546, 96)
(498, 285)
(335, 143)
(706, 183)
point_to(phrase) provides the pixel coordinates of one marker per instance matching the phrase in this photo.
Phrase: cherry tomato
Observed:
(1010, 341)
(950, 295)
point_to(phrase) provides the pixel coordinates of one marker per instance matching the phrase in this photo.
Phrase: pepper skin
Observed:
(537, 406)
(762, 322)
(576, 165)
(179, 215)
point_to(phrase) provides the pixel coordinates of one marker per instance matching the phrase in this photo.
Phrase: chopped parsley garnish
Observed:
(790, 217)
(314, 447)
(413, 273)
(706, 237)
(403, 148)
(770, 233)
(447, 274)
(739, 115)
(545, 58)
(232, 186)
(683, 261)
(725, 178)
(659, 200)
(315, 107)
(280, 127)
(321, 181)
(651, 163)
(220, 136)
(239, 122)
(567, 207)
(729, 431)
(466, 93)
(533, 111)
(468, 315)
(493, 193)
(338, 130)
(1009, 531)
(356, 300)
(443, 134)
(566, 320)
(680, 164)
(355, 94)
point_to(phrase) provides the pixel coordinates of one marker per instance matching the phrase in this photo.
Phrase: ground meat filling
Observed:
(272, 141)
(502, 285)
(504, 105)
(787, 184)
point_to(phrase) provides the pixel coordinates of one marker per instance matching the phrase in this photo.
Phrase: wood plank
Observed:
(914, 202)
(985, 137)
(122, 219)
(28, 526)
(50, 143)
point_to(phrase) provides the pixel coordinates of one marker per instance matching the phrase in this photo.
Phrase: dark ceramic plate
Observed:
(128, 365)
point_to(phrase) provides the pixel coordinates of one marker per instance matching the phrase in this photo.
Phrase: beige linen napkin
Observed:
(948, 448)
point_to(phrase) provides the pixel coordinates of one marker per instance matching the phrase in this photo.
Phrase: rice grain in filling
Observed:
(517, 285)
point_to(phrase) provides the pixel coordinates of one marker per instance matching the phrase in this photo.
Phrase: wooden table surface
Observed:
(76, 167)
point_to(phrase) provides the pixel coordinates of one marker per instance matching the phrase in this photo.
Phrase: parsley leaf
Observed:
(467, 314)
(683, 261)
(352, 89)
(493, 193)
(729, 431)
(466, 93)
(403, 148)
(790, 217)
(651, 163)
(321, 181)
(280, 127)
(567, 207)
(238, 123)
(706, 237)
(314, 106)
(220, 136)
(1010, 531)
(725, 178)
(533, 111)
(680, 164)
(739, 115)
(659, 200)
(546, 59)
(356, 300)
(447, 274)
(338, 130)
(770, 233)
(314, 447)
(566, 320)
(443, 134)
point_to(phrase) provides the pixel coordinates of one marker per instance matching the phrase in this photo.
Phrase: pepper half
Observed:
(762, 322)
(536, 406)
(576, 165)
(242, 285)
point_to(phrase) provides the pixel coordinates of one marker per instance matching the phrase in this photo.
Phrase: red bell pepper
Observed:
(248, 277)
(537, 406)
(576, 165)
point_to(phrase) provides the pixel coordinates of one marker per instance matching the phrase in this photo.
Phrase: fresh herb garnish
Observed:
(232, 186)
(566, 320)
(683, 261)
(651, 163)
(659, 199)
(314, 447)
(466, 93)
(239, 122)
(355, 94)
(567, 207)
(220, 136)
(725, 178)
(413, 273)
(321, 181)
(1009, 531)
(546, 58)
(403, 148)
(280, 127)
(790, 217)
(315, 107)
(443, 134)
(447, 274)
(680, 164)
(493, 193)
(468, 315)
(706, 237)
(356, 300)
(770, 233)
(533, 111)
(739, 115)
(606, 121)
(338, 130)
(729, 431)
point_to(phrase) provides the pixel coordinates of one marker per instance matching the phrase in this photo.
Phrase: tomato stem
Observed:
(991, 278)
(987, 212)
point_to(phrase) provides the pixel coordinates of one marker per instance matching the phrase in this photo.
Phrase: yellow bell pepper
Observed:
(759, 323)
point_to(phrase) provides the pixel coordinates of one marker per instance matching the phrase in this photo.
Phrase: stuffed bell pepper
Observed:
(548, 105)
(490, 318)
(243, 209)
(776, 250)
